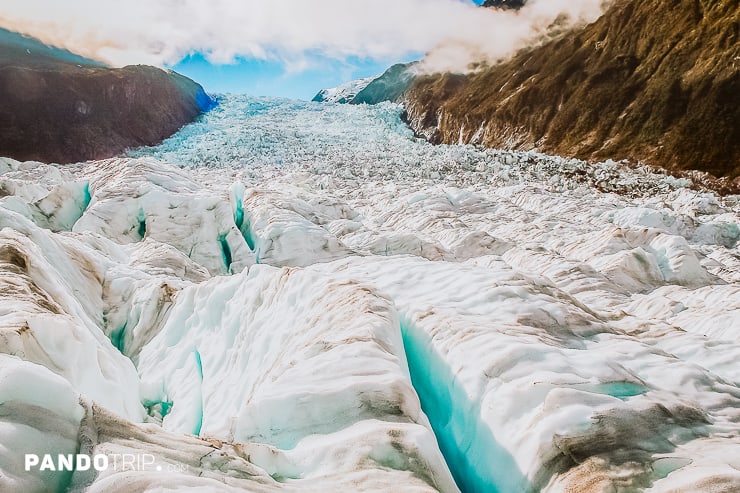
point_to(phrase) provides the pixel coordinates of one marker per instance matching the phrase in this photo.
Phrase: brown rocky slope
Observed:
(57, 107)
(652, 80)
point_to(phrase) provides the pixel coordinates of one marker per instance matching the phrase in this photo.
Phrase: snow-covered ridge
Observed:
(343, 93)
(330, 304)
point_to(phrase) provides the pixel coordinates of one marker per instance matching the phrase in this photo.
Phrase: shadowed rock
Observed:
(59, 107)
(388, 87)
(504, 4)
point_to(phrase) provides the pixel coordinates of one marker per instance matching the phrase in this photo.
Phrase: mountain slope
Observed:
(343, 93)
(388, 86)
(58, 107)
(504, 4)
(651, 80)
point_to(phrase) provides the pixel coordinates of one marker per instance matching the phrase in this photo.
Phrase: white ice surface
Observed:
(294, 282)
(39, 414)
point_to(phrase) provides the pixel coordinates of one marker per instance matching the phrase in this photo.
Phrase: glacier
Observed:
(303, 296)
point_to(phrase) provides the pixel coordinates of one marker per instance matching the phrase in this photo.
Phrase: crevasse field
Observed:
(305, 297)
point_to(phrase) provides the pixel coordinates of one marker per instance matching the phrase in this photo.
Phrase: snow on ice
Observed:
(296, 296)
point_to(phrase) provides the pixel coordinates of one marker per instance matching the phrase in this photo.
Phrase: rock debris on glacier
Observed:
(300, 296)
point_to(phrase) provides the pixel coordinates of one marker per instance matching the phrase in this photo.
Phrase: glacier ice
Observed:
(294, 296)
(41, 414)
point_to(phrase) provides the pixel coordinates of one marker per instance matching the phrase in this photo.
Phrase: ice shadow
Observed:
(477, 461)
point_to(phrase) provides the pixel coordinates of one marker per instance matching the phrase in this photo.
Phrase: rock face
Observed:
(57, 107)
(504, 4)
(651, 80)
(388, 86)
(344, 93)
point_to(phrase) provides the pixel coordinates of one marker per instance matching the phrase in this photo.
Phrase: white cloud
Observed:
(157, 32)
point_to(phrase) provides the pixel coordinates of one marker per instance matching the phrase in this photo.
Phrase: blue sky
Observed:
(290, 48)
(271, 78)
